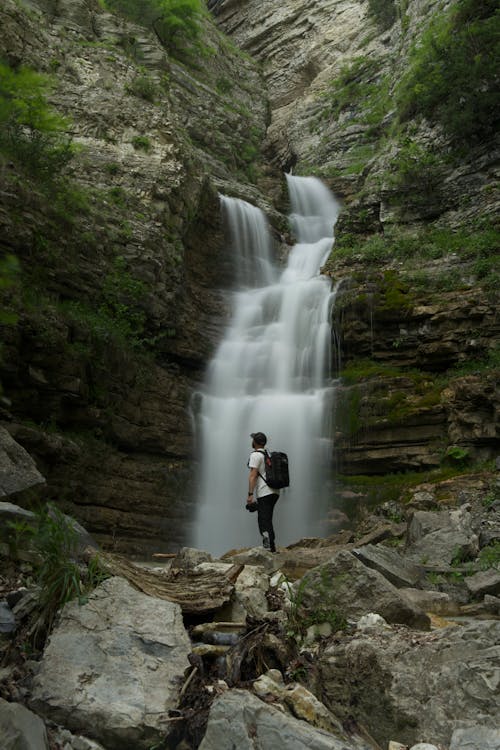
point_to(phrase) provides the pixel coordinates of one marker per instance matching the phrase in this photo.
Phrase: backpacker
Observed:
(276, 464)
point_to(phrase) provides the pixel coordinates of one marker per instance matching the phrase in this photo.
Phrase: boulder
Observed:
(239, 719)
(484, 582)
(437, 602)
(249, 596)
(475, 737)
(442, 537)
(346, 585)
(114, 666)
(414, 685)
(17, 469)
(390, 564)
(20, 729)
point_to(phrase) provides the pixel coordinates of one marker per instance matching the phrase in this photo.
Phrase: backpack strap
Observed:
(265, 454)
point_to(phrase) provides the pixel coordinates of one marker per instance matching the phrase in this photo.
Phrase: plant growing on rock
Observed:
(31, 133)
(176, 23)
(54, 541)
(453, 77)
(302, 616)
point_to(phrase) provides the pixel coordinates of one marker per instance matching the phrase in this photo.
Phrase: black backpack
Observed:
(277, 475)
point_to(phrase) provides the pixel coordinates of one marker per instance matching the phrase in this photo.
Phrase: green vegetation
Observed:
(477, 245)
(9, 274)
(394, 487)
(141, 143)
(457, 456)
(54, 539)
(384, 12)
(176, 23)
(144, 87)
(489, 557)
(31, 133)
(418, 170)
(453, 74)
(301, 615)
(351, 85)
(120, 318)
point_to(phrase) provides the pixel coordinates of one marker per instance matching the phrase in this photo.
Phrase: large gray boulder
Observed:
(484, 582)
(20, 729)
(114, 666)
(392, 565)
(349, 587)
(238, 719)
(415, 686)
(442, 537)
(17, 469)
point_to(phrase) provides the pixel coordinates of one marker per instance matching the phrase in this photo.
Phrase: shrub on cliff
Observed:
(31, 133)
(176, 23)
(453, 75)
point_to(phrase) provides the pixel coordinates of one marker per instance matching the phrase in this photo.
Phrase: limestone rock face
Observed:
(149, 171)
(354, 590)
(239, 719)
(457, 687)
(114, 666)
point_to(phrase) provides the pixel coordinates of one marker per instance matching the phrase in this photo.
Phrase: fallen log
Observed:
(196, 593)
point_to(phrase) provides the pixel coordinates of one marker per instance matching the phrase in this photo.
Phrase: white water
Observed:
(271, 373)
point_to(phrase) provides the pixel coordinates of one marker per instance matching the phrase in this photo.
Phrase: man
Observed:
(259, 493)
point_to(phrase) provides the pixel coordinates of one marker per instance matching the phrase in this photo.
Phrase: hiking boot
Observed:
(266, 543)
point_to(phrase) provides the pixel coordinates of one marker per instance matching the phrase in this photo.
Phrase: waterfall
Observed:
(271, 373)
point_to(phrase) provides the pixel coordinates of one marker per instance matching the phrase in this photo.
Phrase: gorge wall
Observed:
(120, 299)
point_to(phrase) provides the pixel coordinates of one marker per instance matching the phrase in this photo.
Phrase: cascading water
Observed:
(270, 374)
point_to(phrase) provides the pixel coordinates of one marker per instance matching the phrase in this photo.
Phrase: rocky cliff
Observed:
(416, 317)
(118, 302)
(121, 297)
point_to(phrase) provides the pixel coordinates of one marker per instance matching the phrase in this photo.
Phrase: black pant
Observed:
(265, 516)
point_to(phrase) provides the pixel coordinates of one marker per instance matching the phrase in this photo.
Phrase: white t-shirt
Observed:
(256, 461)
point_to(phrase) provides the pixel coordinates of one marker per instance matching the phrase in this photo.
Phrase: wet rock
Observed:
(354, 590)
(392, 565)
(114, 666)
(21, 729)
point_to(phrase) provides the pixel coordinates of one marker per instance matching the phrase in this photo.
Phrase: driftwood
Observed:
(196, 593)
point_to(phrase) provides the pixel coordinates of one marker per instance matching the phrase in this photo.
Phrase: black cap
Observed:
(259, 438)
